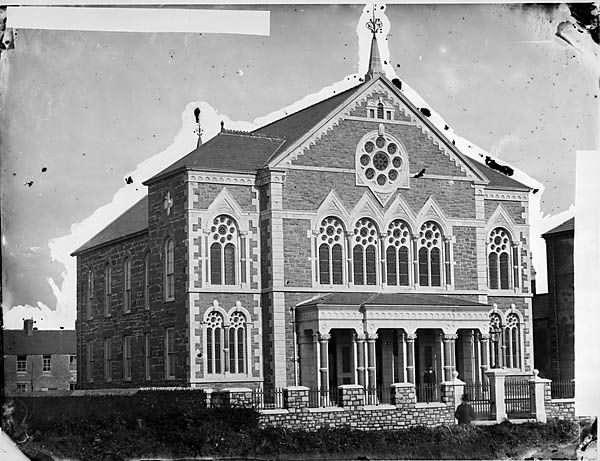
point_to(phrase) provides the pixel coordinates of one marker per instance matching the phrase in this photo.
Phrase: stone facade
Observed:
(249, 270)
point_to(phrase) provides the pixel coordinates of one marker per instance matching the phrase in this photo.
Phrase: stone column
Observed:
(400, 368)
(537, 388)
(410, 357)
(324, 362)
(485, 353)
(415, 253)
(349, 268)
(316, 350)
(226, 349)
(477, 355)
(372, 362)
(449, 342)
(360, 363)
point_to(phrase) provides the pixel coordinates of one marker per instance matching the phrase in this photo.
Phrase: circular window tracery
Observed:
(214, 320)
(331, 231)
(430, 235)
(398, 233)
(365, 232)
(499, 240)
(223, 229)
(380, 162)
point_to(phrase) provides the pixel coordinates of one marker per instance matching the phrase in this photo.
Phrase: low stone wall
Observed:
(561, 409)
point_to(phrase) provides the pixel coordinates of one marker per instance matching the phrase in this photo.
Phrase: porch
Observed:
(376, 340)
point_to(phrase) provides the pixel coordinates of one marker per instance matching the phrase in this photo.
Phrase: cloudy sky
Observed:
(83, 110)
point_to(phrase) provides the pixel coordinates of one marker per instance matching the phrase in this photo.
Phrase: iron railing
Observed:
(267, 399)
(427, 393)
(563, 388)
(479, 397)
(323, 397)
(377, 396)
(517, 397)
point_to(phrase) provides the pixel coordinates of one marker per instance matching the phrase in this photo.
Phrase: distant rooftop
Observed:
(567, 226)
(41, 342)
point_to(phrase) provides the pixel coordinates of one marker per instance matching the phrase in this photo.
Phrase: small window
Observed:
(127, 285)
(107, 289)
(147, 282)
(108, 359)
(371, 113)
(388, 114)
(21, 387)
(380, 110)
(21, 363)
(90, 361)
(46, 365)
(72, 386)
(170, 353)
(72, 363)
(90, 294)
(223, 251)
(169, 270)
(127, 340)
(147, 355)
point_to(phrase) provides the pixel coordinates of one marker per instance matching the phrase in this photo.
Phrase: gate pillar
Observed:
(537, 387)
(496, 378)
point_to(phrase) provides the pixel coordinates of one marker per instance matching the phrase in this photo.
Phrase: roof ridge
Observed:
(249, 134)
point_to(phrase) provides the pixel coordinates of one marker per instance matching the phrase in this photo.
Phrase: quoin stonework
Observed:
(347, 244)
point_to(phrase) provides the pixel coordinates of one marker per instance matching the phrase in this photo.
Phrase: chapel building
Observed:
(350, 242)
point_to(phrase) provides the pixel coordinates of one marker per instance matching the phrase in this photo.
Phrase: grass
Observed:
(177, 425)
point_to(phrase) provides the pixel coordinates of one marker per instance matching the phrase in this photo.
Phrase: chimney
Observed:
(28, 327)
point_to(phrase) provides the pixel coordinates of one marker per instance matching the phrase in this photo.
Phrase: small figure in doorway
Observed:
(464, 413)
(429, 382)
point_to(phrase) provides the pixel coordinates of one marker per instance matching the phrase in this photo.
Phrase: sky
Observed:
(82, 110)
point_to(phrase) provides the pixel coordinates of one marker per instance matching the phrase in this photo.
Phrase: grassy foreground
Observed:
(100, 428)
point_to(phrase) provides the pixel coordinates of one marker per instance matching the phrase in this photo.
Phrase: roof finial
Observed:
(199, 130)
(222, 126)
(375, 68)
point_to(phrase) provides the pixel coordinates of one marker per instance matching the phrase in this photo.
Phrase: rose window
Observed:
(365, 232)
(223, 229)
(380, 162)
(499, 240)
(331, 231)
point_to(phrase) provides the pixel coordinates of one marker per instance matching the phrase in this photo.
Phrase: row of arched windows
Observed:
(226, 344)
(505, 341)
(365, 241)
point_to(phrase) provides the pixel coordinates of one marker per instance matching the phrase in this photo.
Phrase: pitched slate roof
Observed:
(497, 180)
(391, 299)
(229, 151)
(567, 226)
(131, 222)
(42, 342)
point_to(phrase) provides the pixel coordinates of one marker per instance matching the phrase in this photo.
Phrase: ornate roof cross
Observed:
(168, 203)
(375, 68)
(374, 24)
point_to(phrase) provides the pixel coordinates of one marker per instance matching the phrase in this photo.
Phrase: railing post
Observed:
(459, 389)
(295, 398)
(352, 396)
(403, 395)
(497, 378)
(537, 393)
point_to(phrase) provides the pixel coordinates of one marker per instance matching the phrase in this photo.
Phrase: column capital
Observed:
(411, 337)
(450, 337)
(372, 336)
(484, 336)
(359, 336)
(324, 337)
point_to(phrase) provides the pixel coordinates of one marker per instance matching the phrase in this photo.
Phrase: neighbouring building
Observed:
(39, 360)
(553, 312)
(349, 242)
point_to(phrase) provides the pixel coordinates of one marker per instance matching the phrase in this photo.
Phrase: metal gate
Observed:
(517, 397)
(480, 399)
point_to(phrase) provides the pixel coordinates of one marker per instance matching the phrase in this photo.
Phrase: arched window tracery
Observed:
(512, 339)
(214, 342)
(331, 251)
(499, 259)
(495, 340)
(364, 252)
(397, 253)
(223, 250)
(430, 244)
(237, 343)
(505, 341)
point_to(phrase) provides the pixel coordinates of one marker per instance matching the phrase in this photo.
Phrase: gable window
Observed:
(237, 343)
(364, 252)
(72, 363)
(380, 110)
(147, 282)
(214, 342)
(127, 340)
(89, 368)
(46, 363)
(499, 252)
(170, 353)
(89, 294)
(223, 251)
(331, 253)
(21, 363)
(169, 270)
(397, 253)
(108, 359)
(127, 285)
(430, 255)
(371, 113)
(107, 289)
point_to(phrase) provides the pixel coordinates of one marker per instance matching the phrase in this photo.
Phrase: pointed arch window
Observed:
(127, 285)
(495, 340)
(430, 255)
(380, 110)
(214, 343)
(331, 251)
(223, 251)
(512, 341)
(169, 259)
(499, 255)
(237, 343)
(364, 252)
(397, 253)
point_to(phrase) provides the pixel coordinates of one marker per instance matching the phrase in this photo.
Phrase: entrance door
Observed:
(342, 366)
